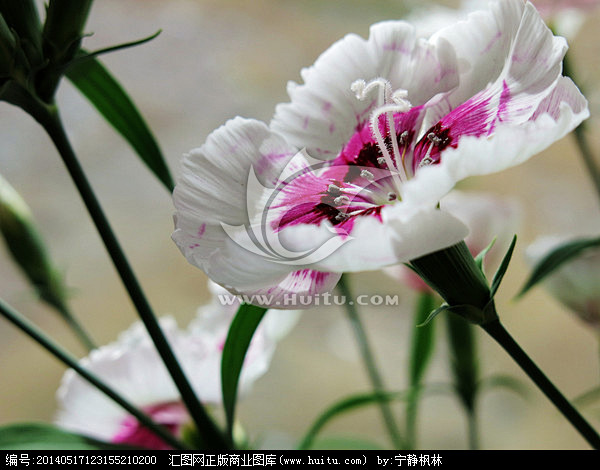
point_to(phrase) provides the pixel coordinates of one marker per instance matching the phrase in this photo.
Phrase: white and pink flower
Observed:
(395, 121)
(131, 365)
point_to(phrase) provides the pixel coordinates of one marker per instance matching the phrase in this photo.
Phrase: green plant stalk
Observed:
(504, 339)
(49, 118)
(78, 330)
(464, 366)
(420, 353)
(580, 137)
(370, 364)
(36, 334)
(457, 278)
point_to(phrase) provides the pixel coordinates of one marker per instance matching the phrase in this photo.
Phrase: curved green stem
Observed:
(421, 349)
(370, 363)
(502, 337)
(581, 139)
(49, 118)
(31, 330)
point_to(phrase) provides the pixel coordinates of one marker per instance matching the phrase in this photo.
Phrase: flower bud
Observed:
(27, 248)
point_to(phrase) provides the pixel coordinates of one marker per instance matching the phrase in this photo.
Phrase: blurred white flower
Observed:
(576, 284)
(487, 216)
(131, 365)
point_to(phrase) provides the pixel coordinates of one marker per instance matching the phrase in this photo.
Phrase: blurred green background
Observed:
(218, 59)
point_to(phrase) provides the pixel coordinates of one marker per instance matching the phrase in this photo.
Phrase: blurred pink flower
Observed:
(132, 366)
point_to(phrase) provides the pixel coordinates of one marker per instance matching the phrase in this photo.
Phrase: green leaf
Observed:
(433, 314)
(463, 358)
(504, 381)
(481, 255)
(38, 436)
(556, 258)
(422, 339)
(242, 328)
(111, 100)
(344, 405)
(83, 56)
(502, 269)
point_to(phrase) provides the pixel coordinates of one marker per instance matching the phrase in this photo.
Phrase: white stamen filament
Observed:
(334, 190)
(341, 200)
(390, 102)
(366, 174)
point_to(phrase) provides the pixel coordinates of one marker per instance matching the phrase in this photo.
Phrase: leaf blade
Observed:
(556, 258)
(110, 99)
(242, 328)
(38, 436)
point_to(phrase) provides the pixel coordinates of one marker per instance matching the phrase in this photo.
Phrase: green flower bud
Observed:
(22, 18)
(454, 274)
(62, 34)
(27, 248)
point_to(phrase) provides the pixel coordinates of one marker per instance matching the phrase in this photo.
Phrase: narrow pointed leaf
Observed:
(434, 314)
(502, 269)
(38, 436)
(481, 255)
(110, 99)
(506, 382)
(556, 258)
(342, 406)
(422, 339)
(463, 358)
(242, 328)
(126, 45)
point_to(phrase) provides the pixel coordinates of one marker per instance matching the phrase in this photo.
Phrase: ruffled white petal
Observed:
(132, 367)
(213, 189)
(509, 146)
(404, 233)
(324, 112)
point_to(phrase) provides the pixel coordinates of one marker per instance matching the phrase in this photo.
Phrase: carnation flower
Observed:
(352, 169)
(576, 283)
(131, 365)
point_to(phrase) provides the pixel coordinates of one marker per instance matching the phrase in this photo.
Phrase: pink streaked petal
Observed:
(403, 233)
(509, 43)
(324, 113)
(170, 415)
(298, 290)
(565, 91)
(509, 146)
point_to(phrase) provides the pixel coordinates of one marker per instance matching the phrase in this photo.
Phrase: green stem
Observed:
(464, 366)
(421, 348)
(580, 137)
(473, 428)
(588, 397)
(503, 338)
(78, 330)
(49, 118)
(31, 330)
(370, 363)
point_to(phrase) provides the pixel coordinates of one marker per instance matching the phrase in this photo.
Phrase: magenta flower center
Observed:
(171, 415)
